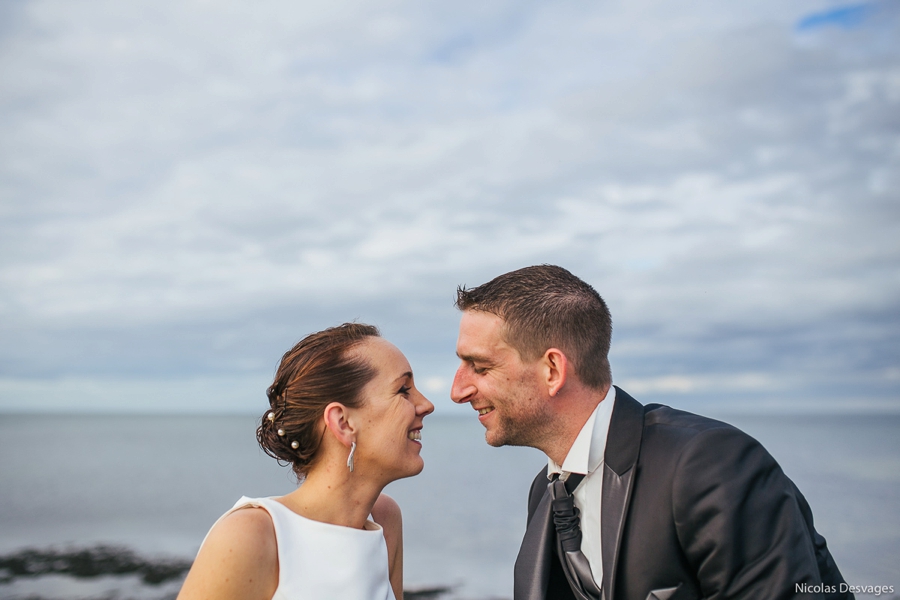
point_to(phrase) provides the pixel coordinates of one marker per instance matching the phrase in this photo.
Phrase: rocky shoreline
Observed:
(107, 572)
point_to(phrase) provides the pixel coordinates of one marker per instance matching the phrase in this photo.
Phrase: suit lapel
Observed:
(532, 570)
(621, 454)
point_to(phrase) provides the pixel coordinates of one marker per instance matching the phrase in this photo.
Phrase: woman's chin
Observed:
(413, 469)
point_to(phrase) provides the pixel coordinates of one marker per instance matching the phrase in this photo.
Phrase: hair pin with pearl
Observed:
(281, 433)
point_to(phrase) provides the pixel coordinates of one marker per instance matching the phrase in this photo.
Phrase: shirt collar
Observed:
(586, 453)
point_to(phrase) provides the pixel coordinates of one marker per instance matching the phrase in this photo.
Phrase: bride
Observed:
(344, 412)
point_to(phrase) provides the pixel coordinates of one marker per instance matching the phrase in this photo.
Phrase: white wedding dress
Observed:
(320, 561)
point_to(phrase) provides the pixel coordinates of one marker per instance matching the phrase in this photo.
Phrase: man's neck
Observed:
(573, 412)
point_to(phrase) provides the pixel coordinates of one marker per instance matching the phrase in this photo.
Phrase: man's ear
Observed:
(337, 420)
(555, 369)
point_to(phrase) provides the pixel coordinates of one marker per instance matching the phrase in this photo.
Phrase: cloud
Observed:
(686, 384)
(188, 188)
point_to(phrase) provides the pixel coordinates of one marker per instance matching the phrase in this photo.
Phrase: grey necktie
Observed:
(568, 536)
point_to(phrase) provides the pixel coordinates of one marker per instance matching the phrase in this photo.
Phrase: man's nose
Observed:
(462, 390)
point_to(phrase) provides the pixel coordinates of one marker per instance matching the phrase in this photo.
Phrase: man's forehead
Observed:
(481, 336)
(479, 329)
(474, 321)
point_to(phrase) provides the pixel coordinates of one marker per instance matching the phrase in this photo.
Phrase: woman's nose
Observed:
(425, 407)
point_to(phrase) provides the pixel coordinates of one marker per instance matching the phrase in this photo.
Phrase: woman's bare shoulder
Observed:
(386, 510)
(239, 559)
(251, 524)
(386, 513)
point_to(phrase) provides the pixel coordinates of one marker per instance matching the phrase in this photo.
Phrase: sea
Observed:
(115, 507)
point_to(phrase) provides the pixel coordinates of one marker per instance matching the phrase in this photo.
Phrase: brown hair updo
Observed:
(317, 371)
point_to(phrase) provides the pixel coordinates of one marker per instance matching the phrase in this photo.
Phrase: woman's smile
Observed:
(392, 407)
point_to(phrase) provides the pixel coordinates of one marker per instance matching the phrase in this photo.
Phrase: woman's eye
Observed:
(404, 390)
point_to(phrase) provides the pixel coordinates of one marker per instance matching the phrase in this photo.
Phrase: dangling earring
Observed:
(350, 458)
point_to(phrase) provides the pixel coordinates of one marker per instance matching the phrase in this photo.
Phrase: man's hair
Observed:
(545, 307)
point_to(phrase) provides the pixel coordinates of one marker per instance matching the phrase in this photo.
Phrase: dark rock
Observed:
(431, 593)
(90, 562)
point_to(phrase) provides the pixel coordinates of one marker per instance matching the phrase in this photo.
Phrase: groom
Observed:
(636, 502)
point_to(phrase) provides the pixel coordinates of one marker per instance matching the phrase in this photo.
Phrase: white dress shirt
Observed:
(585, 457)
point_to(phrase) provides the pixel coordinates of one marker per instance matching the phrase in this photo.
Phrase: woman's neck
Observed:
(330, 494)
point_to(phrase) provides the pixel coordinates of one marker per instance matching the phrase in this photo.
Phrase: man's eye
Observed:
(479, 370)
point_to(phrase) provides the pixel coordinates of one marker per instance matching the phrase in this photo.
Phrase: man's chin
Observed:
(507, 436)
(494, 438)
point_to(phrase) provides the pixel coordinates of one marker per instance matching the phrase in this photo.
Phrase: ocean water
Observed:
(155, 484)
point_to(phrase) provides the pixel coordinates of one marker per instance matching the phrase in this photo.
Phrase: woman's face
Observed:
(389, 421)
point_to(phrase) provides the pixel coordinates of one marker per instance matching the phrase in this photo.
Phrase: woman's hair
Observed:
(319, 370)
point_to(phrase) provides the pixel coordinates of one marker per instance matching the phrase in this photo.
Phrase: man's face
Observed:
(493, 378)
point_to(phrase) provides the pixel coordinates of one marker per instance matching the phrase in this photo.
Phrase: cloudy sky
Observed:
(187, 188)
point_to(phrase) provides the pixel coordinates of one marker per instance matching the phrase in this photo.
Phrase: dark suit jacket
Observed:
(691, 508)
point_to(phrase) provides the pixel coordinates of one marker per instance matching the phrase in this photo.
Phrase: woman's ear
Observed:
(337, 420)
